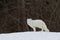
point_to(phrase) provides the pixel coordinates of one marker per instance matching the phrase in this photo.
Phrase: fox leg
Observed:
(34, 29)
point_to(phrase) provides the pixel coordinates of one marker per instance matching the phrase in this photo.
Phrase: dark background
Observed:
(13, 14)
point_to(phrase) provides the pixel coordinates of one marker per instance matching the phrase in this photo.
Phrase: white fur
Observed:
(37, 23)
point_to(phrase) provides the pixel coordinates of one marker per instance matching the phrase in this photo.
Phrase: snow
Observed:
(31, 36)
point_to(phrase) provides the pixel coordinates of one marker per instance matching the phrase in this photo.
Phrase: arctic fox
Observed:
(37, 23)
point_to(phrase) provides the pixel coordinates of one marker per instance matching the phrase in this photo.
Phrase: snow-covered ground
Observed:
(30, 36)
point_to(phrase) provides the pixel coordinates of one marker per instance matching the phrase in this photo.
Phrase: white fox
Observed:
(37, 23)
